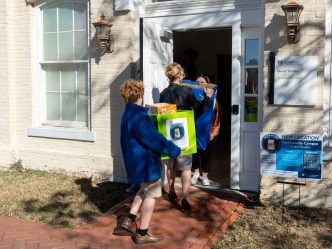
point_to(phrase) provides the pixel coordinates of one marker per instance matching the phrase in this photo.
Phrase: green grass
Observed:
(55, 199)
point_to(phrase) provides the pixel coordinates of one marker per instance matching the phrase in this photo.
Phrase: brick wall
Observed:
(19, 95)
(289, 119)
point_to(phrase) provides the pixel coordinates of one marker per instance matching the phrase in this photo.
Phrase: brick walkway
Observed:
(210, 216)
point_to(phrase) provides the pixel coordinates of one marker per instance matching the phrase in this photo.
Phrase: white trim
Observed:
(61, 133)
(181, 7)
(236, 100)
(327, 134)
(41, 87)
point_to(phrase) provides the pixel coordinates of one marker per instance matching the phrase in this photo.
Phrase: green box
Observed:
(178, 127)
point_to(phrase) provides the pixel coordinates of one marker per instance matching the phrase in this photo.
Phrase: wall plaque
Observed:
(295, 80)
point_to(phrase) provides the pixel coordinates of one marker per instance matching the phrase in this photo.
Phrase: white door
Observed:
(157, 53)
(251, 88)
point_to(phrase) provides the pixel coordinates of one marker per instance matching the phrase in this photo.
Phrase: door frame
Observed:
(224, 19)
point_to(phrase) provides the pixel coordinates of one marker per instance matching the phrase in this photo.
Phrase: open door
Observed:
(156, 53)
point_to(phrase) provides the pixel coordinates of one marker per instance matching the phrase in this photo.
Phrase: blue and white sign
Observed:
(291, 155)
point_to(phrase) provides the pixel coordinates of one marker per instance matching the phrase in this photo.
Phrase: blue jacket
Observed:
(142, 144)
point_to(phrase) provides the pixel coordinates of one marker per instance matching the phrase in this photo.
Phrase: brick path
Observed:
(210, 216)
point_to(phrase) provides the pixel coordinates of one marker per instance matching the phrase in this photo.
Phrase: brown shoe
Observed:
(149, 238)
(129, 225)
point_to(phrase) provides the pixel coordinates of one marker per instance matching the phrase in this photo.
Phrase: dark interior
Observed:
(209, 51)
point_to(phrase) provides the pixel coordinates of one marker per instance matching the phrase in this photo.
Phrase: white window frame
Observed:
(327, 138)
(62, 129)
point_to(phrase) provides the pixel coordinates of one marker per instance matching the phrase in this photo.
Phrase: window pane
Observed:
(66, 46)
(65, 17)
(53, 106)
(82, 78)
(52, 77)
(68, 78)
(49, 19)
(250, 112)
(69, 106)
(82, 108)
(81, 45)
(251, 80)
(80, 16)
(50, 47)
(251, 51)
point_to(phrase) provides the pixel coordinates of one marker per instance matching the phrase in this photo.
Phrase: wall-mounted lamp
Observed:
(104, 35)
(30, 2)
(292, 11)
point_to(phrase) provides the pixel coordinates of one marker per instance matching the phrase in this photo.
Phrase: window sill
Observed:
(62, 133)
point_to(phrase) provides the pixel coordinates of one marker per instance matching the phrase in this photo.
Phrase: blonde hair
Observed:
(174, 71)
(132, 90)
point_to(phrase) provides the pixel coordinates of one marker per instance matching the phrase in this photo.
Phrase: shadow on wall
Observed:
(276, 33)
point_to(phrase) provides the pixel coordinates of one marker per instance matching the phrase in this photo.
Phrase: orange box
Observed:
(161, 108)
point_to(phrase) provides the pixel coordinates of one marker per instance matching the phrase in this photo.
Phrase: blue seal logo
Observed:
(177, 132)
(271, 143)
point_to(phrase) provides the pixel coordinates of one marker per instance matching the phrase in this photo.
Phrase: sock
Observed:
(142, 232)
(132, 217)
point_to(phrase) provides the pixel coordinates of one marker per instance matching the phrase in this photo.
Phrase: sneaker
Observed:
(205, 181)
(194, 178)
(129, 225)
(149, 238)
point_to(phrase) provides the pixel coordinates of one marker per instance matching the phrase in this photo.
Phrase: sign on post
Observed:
(291, 155)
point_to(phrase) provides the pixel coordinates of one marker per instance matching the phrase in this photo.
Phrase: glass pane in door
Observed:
(251, 81)
(250, 109)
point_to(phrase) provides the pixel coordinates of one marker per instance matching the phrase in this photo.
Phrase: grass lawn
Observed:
(56, 199)
(274, 227)
(64, 201)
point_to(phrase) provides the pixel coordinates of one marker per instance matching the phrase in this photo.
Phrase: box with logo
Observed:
(161, 108)
(178, 127)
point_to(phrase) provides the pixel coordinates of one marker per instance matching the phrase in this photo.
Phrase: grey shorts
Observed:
(181, 163)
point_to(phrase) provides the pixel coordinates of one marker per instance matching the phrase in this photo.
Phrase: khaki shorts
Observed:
(150, 189)
(181, 163)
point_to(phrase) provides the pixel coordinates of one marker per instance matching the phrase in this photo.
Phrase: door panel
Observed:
(157, 53)
(249, 175)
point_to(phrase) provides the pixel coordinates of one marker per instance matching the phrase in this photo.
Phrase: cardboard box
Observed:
(161, 108)
(178, 127)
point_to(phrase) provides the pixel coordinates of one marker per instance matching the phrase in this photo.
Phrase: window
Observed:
(65, 64)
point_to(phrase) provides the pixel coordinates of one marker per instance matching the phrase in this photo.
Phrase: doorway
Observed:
(209, 51)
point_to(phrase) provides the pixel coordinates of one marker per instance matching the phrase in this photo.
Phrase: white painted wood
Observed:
(236, 100)
(157, 53)
(61, 133)
(183, 7)
(249, 173)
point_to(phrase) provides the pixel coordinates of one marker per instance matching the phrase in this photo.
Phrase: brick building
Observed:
(60, 103)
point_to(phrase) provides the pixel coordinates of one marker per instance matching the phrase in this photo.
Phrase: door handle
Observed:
(235, 109)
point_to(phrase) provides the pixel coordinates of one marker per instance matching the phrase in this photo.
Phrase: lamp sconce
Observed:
(30, 2)
(104, 35)
(292, 11)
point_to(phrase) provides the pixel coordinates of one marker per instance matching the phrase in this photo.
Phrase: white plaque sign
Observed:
(295, 80)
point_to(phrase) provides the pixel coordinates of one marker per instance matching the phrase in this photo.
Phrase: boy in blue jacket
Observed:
(141, 145)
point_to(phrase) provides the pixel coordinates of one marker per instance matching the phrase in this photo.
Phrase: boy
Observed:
(141, 146)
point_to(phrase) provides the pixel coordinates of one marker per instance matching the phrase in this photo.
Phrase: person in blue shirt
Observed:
(185, 99)
(141, 145)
